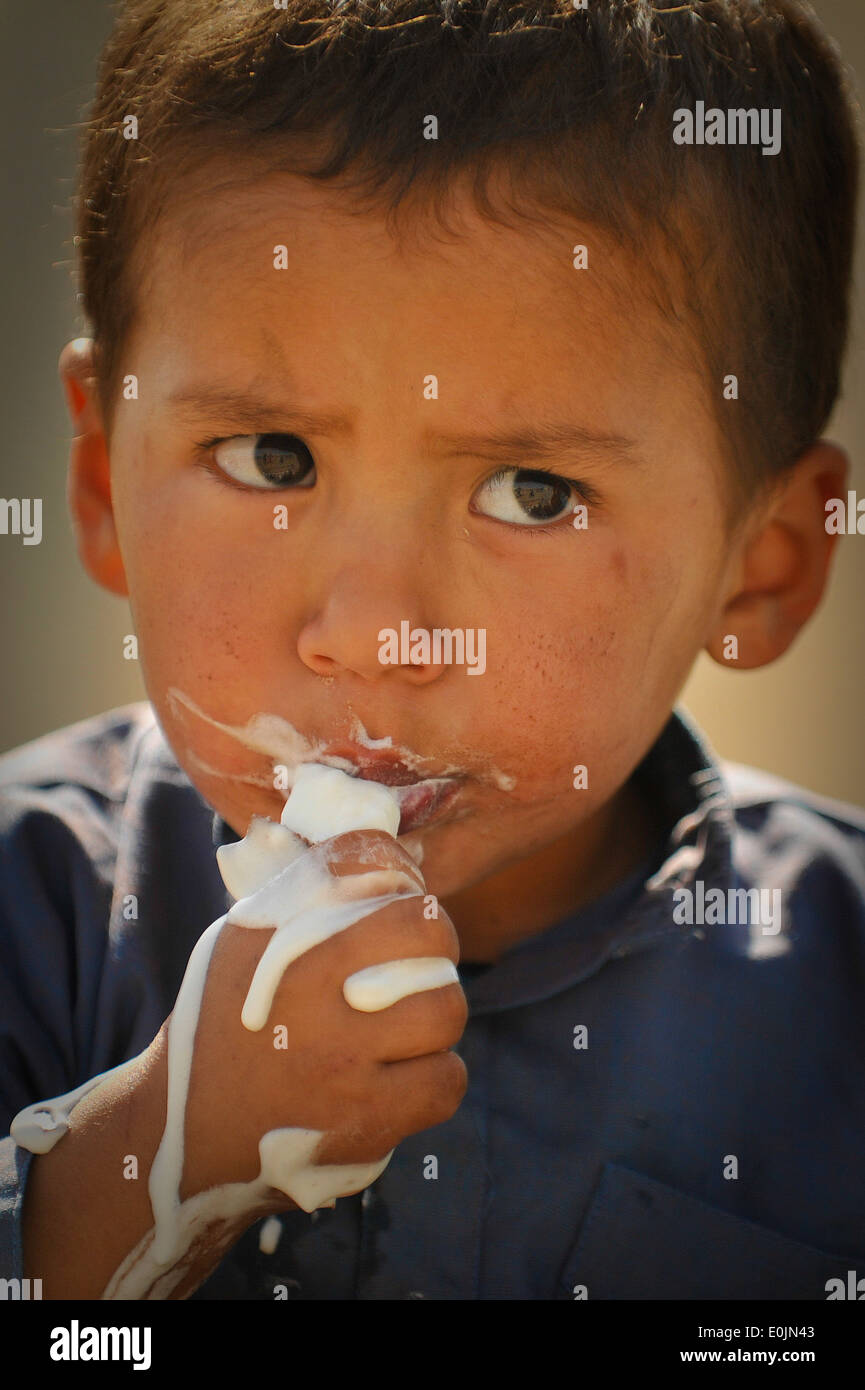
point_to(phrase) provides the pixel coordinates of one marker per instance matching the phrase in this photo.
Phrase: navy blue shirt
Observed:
(666, 1092)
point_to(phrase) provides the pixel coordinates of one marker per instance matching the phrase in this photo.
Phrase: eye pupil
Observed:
(542, 496)
(282, 458)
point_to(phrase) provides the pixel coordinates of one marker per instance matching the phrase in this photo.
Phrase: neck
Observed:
(527, 897)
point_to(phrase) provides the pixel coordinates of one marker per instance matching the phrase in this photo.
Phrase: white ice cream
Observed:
(325, 802)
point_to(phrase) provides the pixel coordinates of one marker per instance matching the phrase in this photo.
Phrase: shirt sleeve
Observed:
(50, 892)
(14, 1167)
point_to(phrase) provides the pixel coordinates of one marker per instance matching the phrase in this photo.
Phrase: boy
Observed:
(442, 319)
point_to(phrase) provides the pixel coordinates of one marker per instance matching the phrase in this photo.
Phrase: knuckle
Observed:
(407, 932)
(452, 1010)
(440, 1014)
(451, 1084)
(433, 936)
(444, 935)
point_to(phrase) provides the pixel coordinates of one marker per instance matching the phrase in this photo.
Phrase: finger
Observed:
(410, 1096)
(418, 1025)
(360, 850)
(424, 1091)
(395, 931)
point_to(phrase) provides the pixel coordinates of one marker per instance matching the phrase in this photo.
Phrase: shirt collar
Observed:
(681, 778)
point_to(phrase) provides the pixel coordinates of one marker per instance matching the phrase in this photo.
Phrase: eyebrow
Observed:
(248, 410)
(541, 441)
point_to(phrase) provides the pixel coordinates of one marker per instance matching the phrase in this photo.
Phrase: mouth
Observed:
(423, 802)
(421, 799)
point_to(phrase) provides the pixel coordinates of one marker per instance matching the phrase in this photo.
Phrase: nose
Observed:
(366, 596)
(334, 642)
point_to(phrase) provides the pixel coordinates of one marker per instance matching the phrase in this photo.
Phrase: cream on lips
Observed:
(277, 739)
(279, 882)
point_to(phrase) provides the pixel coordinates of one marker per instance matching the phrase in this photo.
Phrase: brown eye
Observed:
(266, 460)
(525, 495)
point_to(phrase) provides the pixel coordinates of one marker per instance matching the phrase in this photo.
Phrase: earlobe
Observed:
(89, 478)
(783, 567)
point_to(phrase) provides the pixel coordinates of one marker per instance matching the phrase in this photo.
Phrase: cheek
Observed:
(573, 632)
(198, 620)
(568, 646)
(198, 570)
(592, 659)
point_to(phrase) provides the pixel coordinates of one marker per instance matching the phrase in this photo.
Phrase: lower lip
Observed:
(424, 802)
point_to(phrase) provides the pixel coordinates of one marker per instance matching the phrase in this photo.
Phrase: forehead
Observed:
(266, 270)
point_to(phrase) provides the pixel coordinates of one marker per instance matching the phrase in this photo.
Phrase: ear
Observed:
(780, 572)
(89, 480)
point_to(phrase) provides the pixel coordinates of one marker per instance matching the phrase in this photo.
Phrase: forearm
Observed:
(87, 1204)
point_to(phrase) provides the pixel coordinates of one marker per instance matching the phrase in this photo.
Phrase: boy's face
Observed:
(393, 517)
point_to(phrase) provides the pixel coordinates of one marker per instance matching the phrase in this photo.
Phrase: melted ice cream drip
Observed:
(292, 889)
(379, 986)
(280, 883)
(287, 1162)
(38, 1127)
(277, 881)
(270, 1234)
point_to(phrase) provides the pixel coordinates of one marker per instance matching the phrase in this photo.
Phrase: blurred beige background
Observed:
(62, 637)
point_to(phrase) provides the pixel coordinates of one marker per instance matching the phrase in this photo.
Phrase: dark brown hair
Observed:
(578, 103)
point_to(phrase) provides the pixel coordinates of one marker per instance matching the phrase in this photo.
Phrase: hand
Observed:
(365, 1080)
